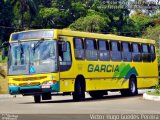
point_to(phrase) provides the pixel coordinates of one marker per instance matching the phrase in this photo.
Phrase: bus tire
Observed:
(37, 98)
(132, 90)
(79, 92)
(96, 94)
(132, 87)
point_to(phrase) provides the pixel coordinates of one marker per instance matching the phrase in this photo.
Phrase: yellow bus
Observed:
(41, 62)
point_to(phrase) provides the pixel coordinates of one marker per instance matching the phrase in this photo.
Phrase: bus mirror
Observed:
(3, 53)
(64, 46)
(4, 45)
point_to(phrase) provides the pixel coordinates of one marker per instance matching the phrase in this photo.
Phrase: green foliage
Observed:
(141, 22)
(48, 12)
(153, 33)
(153, 93)
(24, 6)
(3, 61)
(6, 15)
(156, 91)
(93, 23)
(83, 15)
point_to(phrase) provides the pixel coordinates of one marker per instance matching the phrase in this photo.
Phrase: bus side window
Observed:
(136, 52)
(115, 51)
(126, 51)
(103, 50)
(146, 53)
(91, 49)
(79, 48)
(152, 52)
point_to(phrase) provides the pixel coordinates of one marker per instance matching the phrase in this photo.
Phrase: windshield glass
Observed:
(32, 57)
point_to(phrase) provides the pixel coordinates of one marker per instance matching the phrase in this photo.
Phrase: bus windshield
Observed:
(32, 57)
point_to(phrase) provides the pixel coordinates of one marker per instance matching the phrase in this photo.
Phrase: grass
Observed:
(3, 61)
(153, 93)
(156, 92)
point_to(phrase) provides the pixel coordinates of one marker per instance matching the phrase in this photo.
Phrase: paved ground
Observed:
(63, 108)
(114, 103)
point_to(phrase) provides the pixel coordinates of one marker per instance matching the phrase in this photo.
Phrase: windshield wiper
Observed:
(38, 43)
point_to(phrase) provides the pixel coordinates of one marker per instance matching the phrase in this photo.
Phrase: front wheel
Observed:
(79, 92)
(37, 98)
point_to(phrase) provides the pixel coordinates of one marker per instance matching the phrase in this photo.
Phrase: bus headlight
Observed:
(50, 82)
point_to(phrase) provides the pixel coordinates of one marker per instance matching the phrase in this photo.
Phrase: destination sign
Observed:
(32, 35)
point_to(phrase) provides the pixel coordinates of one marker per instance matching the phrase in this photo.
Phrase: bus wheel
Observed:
(37, 98)
(132, 90)
(132, 87)
(96, 94)
(79, 92)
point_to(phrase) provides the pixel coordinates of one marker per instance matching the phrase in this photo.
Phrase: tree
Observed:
(93, 23)
(50, 17)
(5, 20)
(118, 17)
(25, 5)
(141, 21)
(59, 14)
(156, 19)
(153, 33)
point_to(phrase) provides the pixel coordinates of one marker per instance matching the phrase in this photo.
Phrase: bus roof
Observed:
(68, 32)
(65, 32)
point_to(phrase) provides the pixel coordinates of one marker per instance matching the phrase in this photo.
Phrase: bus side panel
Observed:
(67, 85)
(146, 82)
(104, 84)
(148, 76)
(106, 77)
(103, 76)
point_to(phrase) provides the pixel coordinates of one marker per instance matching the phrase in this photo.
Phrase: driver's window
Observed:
(46, 50)
(65, 57)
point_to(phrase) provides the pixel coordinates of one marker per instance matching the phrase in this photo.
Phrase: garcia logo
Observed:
(122, 71)
(125, 71)
(103, 68)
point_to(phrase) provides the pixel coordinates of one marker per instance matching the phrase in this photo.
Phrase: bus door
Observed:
(65, 61)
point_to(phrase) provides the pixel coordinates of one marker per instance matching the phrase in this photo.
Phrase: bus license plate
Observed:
(45, 86)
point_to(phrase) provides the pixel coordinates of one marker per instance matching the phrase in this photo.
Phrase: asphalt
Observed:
(113, 107)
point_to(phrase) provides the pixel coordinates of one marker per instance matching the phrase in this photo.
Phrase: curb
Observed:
(151, 97)
(9, 96)
(5, 96)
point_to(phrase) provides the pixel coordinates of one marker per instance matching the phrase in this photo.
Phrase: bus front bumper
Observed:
(32, 90)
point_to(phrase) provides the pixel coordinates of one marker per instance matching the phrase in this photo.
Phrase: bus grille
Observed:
(30, 78)
(29, 84)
